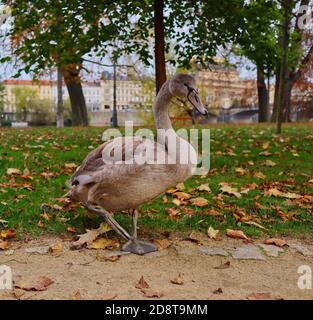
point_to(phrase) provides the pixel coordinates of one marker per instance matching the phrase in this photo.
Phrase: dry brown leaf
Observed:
(218, 291)
(205, 187)
(174, 213)
(259, 175)
(40, 284)
(269, 163)
(260, 296)
(103, 243)
(142, 284)
(276, 242)
(90, 236)
(40, 224)
(162, 243)
(56, 249)
(273, 192)
(102, 258)
(71, 229)
(77, 296)
(13, 171)
(178, 280)
(241, 171)
(199, 202)
(194, 237)
(236, 234)
(70, 165)
(182, 195)
(226, 188)
(265, 145)
(4, 244)
(253, 223)
(212, 212)
(212, 233)
(225, 265)
(176, 202)
(150, 293)
(109, 296)
(180, 186)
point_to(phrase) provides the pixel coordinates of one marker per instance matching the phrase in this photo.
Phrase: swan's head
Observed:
(184, 86)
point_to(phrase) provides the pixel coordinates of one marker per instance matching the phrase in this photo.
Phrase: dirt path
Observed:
(75, 271)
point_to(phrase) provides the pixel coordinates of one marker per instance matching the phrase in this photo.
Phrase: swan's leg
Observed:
(137, 246)
(109, 220)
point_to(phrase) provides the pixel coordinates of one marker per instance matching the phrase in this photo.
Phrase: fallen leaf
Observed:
(241, 171)
(150, 293)
(265, 145)
(77, 296)
(218, 291)
(162, 243)
(90, 236)
(103, 243)
(259, 175)
(276, 242)
(212, 233)
(253, 223)
(13, 171)
(70, 165)
(180, 186)
(212, 212)
(7, 234)
(225, 265)
(18, 293)
(40, 284)
(199, 202)
(260, 296)
(204, 187)
(26, 172)
(236, 234)
(178, 280)
(109, 296)
(142, 284)
(174, 213)
(56, 249)
(194, 237)
(182, 195)
(71, 229)
(102, 258)
(176, 202)
(269, 163)
(226, 188)
(40, 224)
(3, 244)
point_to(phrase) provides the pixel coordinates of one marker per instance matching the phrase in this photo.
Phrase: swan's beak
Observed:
(195, 100)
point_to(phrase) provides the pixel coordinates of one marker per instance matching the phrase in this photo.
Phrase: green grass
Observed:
(45, 151)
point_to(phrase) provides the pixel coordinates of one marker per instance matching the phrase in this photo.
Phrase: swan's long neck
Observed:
(161, 108)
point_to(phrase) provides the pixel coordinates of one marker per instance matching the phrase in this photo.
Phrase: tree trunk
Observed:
(283, 68)
(60, 107)
(159, 51)
(75, 91)
(262, 94)
(287, 99)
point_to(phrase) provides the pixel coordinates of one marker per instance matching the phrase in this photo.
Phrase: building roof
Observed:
(21, 82)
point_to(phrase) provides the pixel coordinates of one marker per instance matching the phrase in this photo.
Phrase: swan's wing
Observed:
(117, 158)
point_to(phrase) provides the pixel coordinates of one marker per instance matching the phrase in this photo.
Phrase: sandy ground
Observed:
(80, 271)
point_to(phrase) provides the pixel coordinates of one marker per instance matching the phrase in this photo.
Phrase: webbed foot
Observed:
(139, 247)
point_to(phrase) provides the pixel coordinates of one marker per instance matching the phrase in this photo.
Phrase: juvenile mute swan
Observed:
(124, 184)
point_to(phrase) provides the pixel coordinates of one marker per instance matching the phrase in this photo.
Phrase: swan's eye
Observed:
(196, 98)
